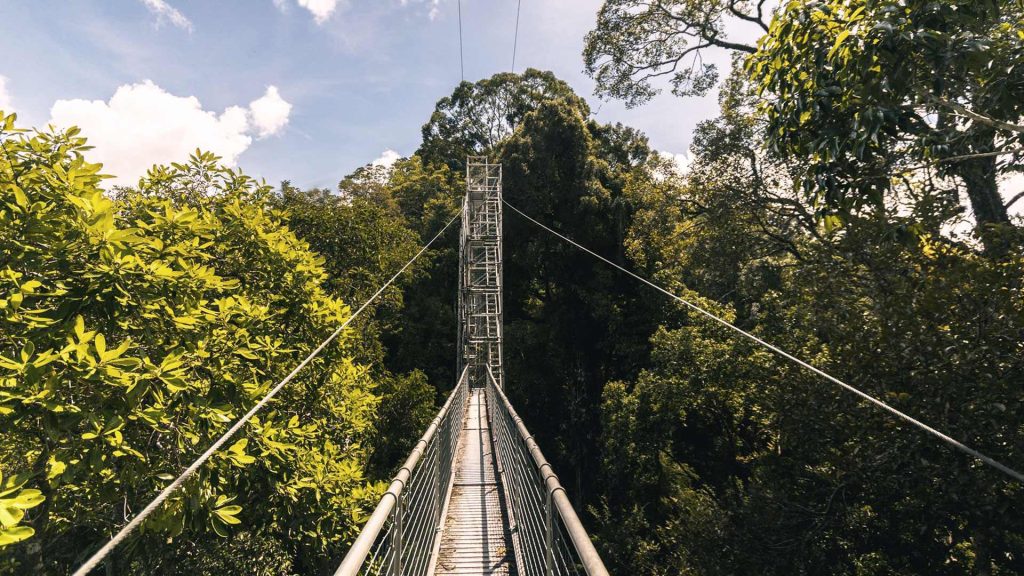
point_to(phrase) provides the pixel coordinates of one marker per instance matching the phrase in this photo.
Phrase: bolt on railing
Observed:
(403, 533)
(547, 534)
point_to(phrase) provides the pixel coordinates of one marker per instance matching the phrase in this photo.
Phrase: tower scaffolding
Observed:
(480, 308)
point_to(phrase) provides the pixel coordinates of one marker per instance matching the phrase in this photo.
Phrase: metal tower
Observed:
(480, 273)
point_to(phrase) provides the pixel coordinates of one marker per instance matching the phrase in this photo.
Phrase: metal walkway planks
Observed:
(476, 539)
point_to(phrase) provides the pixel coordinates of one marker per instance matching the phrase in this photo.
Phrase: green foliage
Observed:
(426, 194)
(571, 324)
(135, 328)
(239, 553)
(365, 234)
(362, 241)
(478, 116)
(832, 242)
(863, 90)
(14, 501)
(721, 446)
(407, 407)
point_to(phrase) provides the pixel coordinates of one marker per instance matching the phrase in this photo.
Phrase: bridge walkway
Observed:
(476, 539)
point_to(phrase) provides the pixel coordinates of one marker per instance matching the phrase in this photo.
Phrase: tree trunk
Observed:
(979, 176)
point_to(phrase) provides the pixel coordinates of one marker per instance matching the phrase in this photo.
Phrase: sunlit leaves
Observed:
(224, 515)
(867, 96)
(236, 453)
(14, 501)
(135, 326)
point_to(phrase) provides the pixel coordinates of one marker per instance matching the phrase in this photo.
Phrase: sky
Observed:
(303, 90)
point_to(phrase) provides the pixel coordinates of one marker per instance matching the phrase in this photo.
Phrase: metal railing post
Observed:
(558, 513)
(383, 542)
(549, 534)
(438, 495)
(399, 545)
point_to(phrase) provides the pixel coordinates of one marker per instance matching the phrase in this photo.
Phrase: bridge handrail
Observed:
(356, 557)
(585, 550)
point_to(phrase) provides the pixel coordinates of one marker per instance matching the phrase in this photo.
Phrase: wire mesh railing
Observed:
(402, 535)
(547, 534)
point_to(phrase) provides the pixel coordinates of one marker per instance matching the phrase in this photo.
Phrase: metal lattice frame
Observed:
(480, 273)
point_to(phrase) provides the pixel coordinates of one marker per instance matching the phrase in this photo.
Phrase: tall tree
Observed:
(868, 91)
(722, 459)
(478, 116)
(572, 325)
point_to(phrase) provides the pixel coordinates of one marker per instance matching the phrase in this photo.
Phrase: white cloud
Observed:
(681, 161)
(435, 6)
(165, 11)
(270, 113)
(321, 9)
(142, 124)
(387, 158)
(6, 104)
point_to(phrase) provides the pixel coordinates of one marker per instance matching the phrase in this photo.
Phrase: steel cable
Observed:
(462, 65)
(879, 403)
(515, 39)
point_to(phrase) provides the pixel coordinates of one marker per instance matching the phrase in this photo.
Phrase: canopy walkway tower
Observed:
(476, 495)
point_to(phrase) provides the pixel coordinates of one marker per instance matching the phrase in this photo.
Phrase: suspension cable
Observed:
(515, 39)
(462, 65)
(945, 438)
(102, 553)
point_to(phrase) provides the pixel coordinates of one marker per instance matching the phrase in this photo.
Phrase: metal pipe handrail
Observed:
(357, 554)
(588, 555)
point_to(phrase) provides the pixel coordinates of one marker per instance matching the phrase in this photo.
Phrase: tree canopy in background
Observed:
(480, 115)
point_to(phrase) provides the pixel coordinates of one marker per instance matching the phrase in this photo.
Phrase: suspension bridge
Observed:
(476, 494)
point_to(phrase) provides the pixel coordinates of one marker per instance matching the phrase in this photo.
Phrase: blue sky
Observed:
(305, 90)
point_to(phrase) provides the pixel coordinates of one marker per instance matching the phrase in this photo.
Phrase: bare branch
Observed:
(964, 111)
(706, 32)
(1014, 200)
(963, 157)
(938, 161)
(747, 17)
